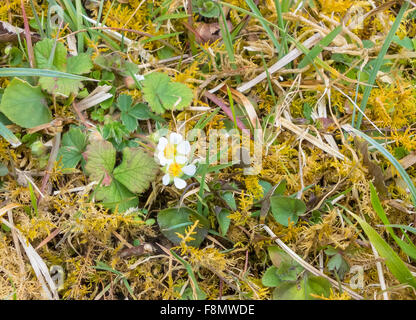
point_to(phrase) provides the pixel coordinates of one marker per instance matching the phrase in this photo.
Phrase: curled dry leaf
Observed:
(210, 32)
(9, 33)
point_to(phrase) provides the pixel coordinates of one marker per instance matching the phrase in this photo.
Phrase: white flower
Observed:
(176, 149)
(175, 171)
(173, 154)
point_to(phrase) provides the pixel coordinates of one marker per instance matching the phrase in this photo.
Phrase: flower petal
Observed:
(175, 138)
(189, 170)
(163, 142)
(166, 179)
(162, 160)
(184, 147)
(181, 159)
(179, 183)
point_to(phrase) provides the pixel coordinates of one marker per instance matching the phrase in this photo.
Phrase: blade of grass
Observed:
(378, 64)
(33, 199)
(200, 295)
(401, 226)
(319, 47)
(392, 260)
(9, 136)
(281, 24)
(269, 31)
(226, 36)
(161, 37)
(389, 157)
(408, 248)
(28, 72)
(230, 97)
(35, 14)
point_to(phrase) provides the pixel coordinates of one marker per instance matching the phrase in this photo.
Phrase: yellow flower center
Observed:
(175, 170)
(170, 151)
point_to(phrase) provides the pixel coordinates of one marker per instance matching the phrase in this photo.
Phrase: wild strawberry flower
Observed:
(174, 156)
(176, 149)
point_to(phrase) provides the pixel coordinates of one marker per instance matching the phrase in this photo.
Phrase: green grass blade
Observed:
(281, 24)
(9, 136)
(226, 36)
(378, 64)
(269, 31)
(320, 47)
(401, 226)
(392, 260)
(33, 199)
(408, 248)
(29, 72)
(161, 37)
(389, 157)
(200, 295)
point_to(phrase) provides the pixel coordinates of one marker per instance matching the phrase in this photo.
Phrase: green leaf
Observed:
(230, 200)
(25, 105)
(3, 170)
(337, 263)
(74, 143)
(302, 290)
(172, 221)
(114, 130)
(136, 171)
(43, 50)
(60, 86)
(116, 195)
(124, 102)
(130, 114)
(392, 260)
(206, 8)
(270, 277)
(286, 209)
(79, 64)
(101, 159)
(140, 111)
(223, 221)
(162, 94)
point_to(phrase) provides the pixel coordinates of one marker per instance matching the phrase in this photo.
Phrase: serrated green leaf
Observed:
(162, 94)
(60, 86)
(25, 105)
(285, 209)
(79, 64)
(43, 51)
(140, 111)
(101, 159)
(124, 102)
(136, 171)
(116, 195)
(74, 143)
(172, 221)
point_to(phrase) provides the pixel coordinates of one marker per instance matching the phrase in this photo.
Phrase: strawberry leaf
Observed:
(162, 94)
(136, 171)
(101, 159)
